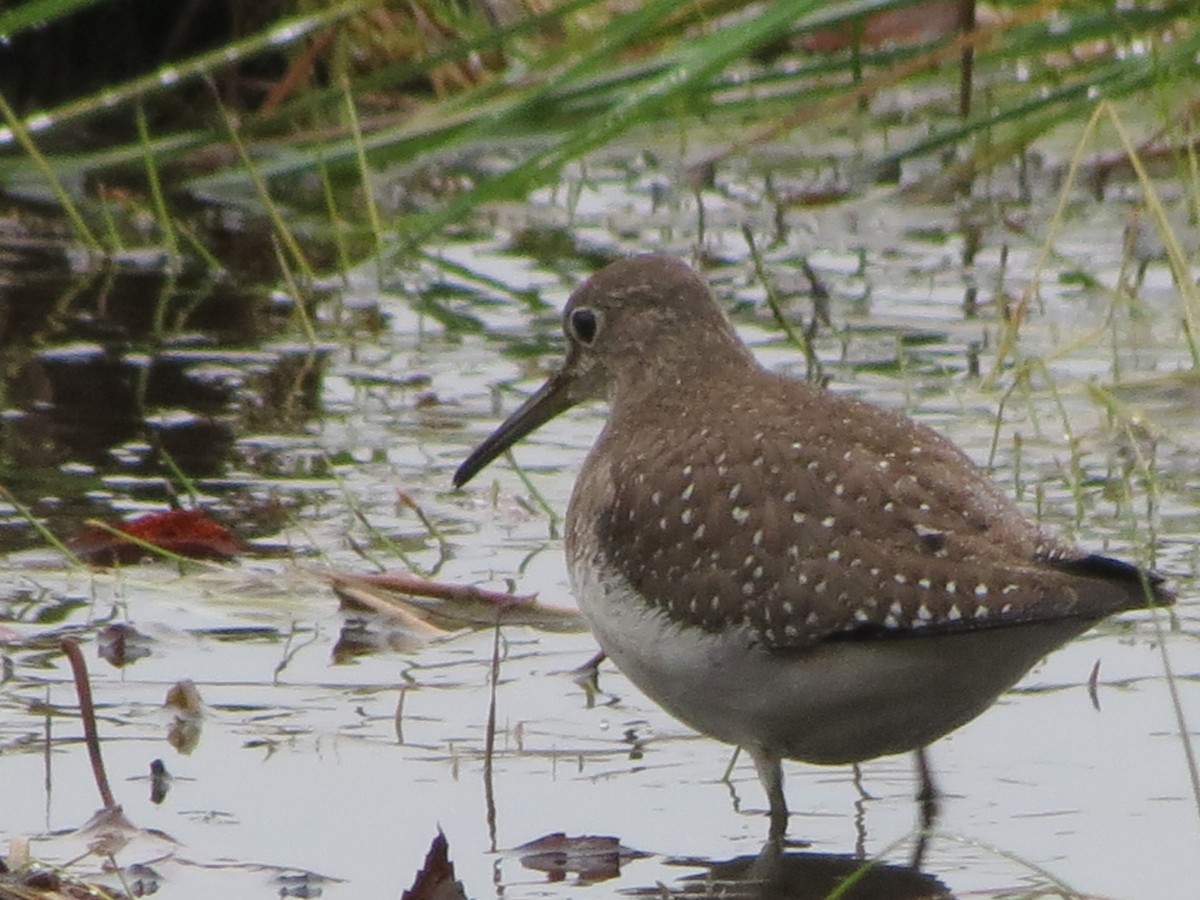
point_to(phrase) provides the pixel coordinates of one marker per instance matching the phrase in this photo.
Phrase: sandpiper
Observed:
(795, 572)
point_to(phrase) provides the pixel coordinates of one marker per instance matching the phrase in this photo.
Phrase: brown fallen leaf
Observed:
(119, 644)
(108, 831)
(188, 725)
(448, 607)
(590, 857)
(184, 697)
(183, 532)
(436, 879)
(413, 625)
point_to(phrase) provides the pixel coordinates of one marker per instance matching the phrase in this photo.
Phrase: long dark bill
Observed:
(551, 398)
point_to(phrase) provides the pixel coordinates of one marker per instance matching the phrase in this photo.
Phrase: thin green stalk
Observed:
(156, 192)
(801, 341)
(1180, 266)
(185, 481)
(298, 296)
(111, 231)
(21, 16)
(45, 533)
(1185, 732)
(25, 139)
(430, 526)
(198, 247)
(1007, 342)
(357, 512)
(282, 232)
(537, 495)
(280, 33)
(695, 63)
(335, 220)
(364, 168)
(528, 296)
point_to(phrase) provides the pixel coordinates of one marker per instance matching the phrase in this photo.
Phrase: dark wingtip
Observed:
(1095, 565)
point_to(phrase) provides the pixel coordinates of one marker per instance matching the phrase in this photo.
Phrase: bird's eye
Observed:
(583, 325)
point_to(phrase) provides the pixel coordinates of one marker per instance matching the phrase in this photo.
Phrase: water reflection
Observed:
(797, 875)
(135, 371)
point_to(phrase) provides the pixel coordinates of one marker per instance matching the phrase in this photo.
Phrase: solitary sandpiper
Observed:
(786, 569)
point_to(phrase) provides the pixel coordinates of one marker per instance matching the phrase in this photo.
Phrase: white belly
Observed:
(837, 702)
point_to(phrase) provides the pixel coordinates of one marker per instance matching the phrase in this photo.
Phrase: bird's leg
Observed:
(770, 773)
(927, 797)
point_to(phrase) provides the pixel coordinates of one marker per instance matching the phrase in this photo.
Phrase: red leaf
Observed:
(184, 532)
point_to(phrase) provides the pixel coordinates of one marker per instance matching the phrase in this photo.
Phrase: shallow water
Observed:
(345, 766)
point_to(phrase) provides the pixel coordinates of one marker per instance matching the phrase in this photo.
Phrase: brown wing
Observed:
(808, 516)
